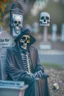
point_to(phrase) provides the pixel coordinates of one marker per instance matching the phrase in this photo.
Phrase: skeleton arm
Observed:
(39, 67)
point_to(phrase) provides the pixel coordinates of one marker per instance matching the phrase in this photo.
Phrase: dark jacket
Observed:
(14, 64)
(15, 69)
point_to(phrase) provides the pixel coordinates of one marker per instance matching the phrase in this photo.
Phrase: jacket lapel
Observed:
(33, 57)
(18, 57)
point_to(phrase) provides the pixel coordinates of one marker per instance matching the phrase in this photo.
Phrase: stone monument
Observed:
(5, 41)
(54, 32)
(45, 22)
(35, 27)
(62, 34)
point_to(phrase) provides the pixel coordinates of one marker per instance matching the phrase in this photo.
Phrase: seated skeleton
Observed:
(23, 64)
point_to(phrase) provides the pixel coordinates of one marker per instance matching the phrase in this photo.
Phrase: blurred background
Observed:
(49, 42)
(51, 52)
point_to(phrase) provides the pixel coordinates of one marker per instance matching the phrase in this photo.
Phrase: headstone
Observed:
(45, 34)
(5, 42)
(0, 29)
(16, 19)
(12, 88)
(45, 44)
(27, 26)
(0, 69)
(45, 22)
(62, 33)
(54, 32)
(35, 28)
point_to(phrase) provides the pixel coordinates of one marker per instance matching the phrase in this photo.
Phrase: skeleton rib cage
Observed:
(26, 61)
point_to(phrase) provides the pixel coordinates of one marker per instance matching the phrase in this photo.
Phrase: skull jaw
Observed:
(42, 23)
(24, 46)
(17, 30)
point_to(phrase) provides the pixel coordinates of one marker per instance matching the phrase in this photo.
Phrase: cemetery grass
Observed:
(56, 75)
(53, 65)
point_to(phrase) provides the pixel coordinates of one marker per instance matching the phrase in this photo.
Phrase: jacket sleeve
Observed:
(11, 70)
(39, 72)
(39, 67)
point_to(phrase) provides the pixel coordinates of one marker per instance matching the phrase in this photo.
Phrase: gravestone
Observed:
(0, 68)
(0, 29)
(54, 32)
(12, 88)
(27, 26)
(8, 88)
(45, 22)
(5, 42)
(35, 28)
(62, 33)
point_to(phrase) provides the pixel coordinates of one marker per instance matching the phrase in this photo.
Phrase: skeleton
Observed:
(44, 19)
(17, 23)
(24, 41)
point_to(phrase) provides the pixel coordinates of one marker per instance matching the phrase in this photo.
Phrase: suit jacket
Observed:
(14, 65)
(15, 69)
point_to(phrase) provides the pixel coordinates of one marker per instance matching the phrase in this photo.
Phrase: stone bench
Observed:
(12, 88)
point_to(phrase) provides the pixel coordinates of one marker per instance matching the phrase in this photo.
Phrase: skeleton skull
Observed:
(17, 23)
(44, 19)
(24, 41)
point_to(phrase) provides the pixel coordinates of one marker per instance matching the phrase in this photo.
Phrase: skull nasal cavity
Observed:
(17, 24)
(44, 20)
(25, 41)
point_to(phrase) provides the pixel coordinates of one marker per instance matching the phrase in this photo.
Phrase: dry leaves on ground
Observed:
(56, 76)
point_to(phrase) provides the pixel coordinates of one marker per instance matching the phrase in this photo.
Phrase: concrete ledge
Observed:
(12, 88)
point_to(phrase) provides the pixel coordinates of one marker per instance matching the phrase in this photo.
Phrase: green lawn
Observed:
(53, 65)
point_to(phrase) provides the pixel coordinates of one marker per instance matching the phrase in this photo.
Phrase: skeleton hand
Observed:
(40, 74)
(45, 75)
(30, 74)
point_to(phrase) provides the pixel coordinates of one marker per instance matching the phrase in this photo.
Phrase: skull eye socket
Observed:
(19, 22)
(42, 17)
(23, 38)
(28, 39)
(47, 18)
(15, 22)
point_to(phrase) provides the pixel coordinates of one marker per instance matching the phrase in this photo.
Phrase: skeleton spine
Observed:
(28, 63)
